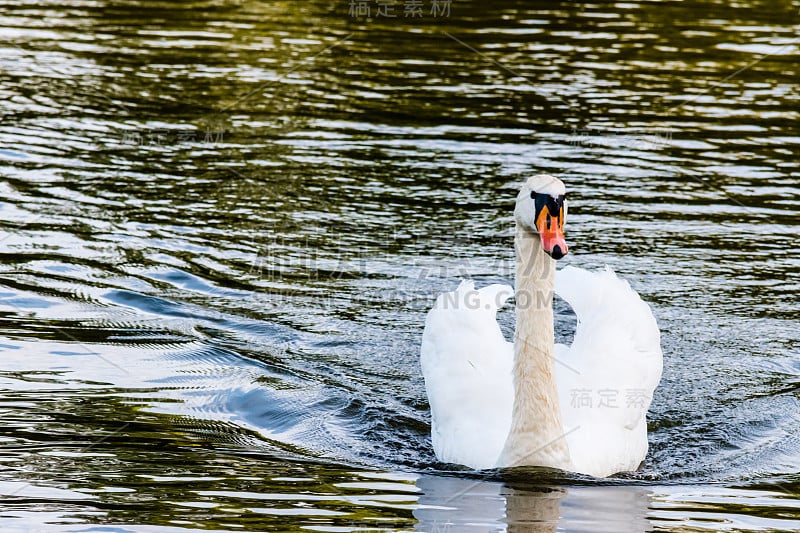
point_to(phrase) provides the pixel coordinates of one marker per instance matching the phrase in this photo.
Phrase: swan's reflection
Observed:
(534, 510)
(455, 504)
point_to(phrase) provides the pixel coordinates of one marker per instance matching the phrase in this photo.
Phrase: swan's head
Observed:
(542, 208)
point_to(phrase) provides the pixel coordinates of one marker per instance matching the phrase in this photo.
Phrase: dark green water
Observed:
(222, 223)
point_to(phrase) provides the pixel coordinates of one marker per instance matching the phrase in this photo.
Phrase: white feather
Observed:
(467, 367)
(615, 360)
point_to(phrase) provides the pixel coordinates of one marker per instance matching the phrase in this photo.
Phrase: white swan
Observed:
(579, 408)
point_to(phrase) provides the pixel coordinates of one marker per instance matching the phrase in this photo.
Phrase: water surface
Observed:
(223, 223)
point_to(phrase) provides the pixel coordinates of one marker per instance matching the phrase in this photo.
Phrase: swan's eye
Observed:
(555, 206)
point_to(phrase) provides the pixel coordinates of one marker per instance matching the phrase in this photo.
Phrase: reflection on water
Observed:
(453, 504)
(222, 223)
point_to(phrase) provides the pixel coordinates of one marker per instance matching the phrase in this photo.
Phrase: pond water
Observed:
(223, 222)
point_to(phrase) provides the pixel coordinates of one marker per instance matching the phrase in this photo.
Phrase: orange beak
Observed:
(551, 231)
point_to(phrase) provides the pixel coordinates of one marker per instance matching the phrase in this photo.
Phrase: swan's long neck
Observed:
(537, 435)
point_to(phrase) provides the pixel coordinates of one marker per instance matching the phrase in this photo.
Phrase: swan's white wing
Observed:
(608, 375)
(467, 365)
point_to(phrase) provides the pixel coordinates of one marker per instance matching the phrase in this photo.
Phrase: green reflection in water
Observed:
(246, 207)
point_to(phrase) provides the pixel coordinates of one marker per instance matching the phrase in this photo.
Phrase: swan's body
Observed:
(580, 408)
(467, 366)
